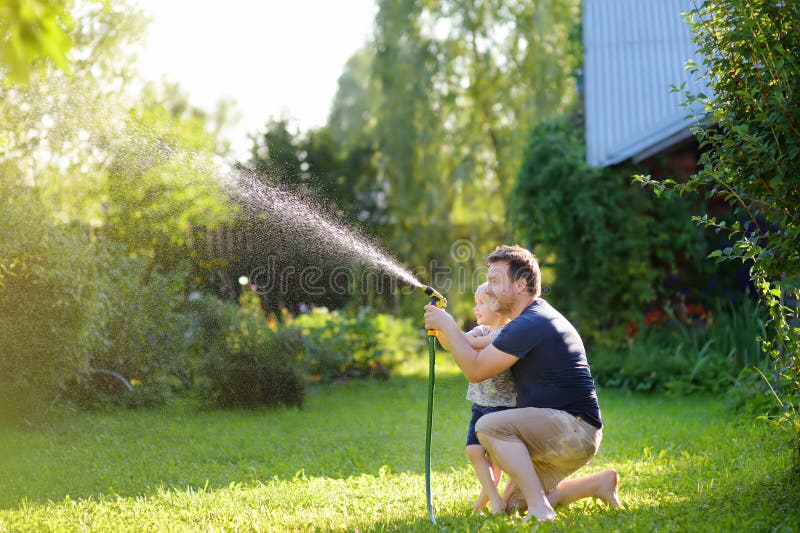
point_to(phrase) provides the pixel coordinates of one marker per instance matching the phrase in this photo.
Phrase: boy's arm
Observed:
(476, 365)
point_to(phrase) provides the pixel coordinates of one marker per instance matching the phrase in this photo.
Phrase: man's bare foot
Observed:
(609, 482)
(513, 499)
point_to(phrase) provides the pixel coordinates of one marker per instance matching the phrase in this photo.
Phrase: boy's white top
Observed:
(496, 391)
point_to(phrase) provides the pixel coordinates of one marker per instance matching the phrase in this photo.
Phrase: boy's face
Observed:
(484, 314)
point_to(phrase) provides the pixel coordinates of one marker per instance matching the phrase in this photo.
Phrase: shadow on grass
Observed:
(344, 430)
(377, 428)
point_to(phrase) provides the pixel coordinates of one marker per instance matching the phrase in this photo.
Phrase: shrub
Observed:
(673, 351)
(612, 246)
(52, 295)
(371, 345)
(751, 154)
(245, 362)
(253, 378)
(144, 339)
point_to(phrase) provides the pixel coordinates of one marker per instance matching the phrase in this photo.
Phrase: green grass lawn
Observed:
(352, 459)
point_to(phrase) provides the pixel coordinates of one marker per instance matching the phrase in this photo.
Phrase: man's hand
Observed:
(438, 319)
(476, 365)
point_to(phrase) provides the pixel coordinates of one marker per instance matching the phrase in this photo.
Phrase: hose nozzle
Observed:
(437, 299)
(435, 296)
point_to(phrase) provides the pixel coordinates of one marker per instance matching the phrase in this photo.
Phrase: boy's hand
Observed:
(479, 343)
(477, 331)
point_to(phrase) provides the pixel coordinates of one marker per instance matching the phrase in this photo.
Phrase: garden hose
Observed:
(439, 301)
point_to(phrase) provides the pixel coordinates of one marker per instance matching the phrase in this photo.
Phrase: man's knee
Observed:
(481, 425)
(484, 439)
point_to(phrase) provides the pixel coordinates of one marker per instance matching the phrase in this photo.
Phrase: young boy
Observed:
(494, 394)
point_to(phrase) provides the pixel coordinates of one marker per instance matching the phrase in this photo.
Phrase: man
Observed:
(556, 427)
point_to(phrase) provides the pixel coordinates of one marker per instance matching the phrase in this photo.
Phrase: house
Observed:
(635, 52)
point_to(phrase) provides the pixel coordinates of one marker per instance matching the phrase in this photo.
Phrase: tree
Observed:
(161, 182)
(408, 132)
(32, 31)
(459, 80)
(610, 246)
(356, 105)
(751, 157)
(351, 131)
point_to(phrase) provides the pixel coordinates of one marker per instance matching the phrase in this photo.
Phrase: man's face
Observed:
(501, 289)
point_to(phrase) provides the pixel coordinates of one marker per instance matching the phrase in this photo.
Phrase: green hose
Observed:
(431, 381)
(439, 301)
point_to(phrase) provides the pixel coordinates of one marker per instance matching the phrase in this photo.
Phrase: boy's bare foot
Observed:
(609, 482)
(481, 502)
(541, 514)
(498, 506)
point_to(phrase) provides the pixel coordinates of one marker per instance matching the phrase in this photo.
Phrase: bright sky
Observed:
(275, 58)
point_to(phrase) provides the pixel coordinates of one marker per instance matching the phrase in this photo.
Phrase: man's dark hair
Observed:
(521, 264)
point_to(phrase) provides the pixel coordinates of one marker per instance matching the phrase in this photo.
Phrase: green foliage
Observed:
(612, 245)
(751, 156)
(250, 359)
(243, 361)
(369, 344)
(161, 183)
(57, 130)
(92, 267)
(31, 31)
(681, 354)
(144, 338)
(253, 378)
(79, 302)
(53, 296)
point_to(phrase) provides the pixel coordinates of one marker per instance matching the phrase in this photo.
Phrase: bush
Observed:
(52, 294)
(612, 245)
(244, 361)
(144, 338)
(251, 379)
(367, 345)
(686, 352)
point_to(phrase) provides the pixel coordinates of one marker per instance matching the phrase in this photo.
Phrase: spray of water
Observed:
(311, 227)
(76, 124)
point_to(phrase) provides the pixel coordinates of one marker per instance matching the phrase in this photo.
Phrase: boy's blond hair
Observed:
(480, 292)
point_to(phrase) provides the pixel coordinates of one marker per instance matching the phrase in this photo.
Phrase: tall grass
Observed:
(352, 460)
(707, 355)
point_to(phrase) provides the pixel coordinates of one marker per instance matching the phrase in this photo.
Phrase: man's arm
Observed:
(476, 365)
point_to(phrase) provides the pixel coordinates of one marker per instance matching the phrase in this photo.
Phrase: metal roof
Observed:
(634, 51)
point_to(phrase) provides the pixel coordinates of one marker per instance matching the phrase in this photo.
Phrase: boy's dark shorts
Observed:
(477, 412)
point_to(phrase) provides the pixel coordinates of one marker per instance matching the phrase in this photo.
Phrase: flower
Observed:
(695, 310)
(632, 328)
(656, 317)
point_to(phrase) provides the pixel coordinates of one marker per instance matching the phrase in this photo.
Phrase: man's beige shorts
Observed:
(558, 442)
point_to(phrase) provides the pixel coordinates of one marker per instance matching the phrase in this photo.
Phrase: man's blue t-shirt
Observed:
(552, 370)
